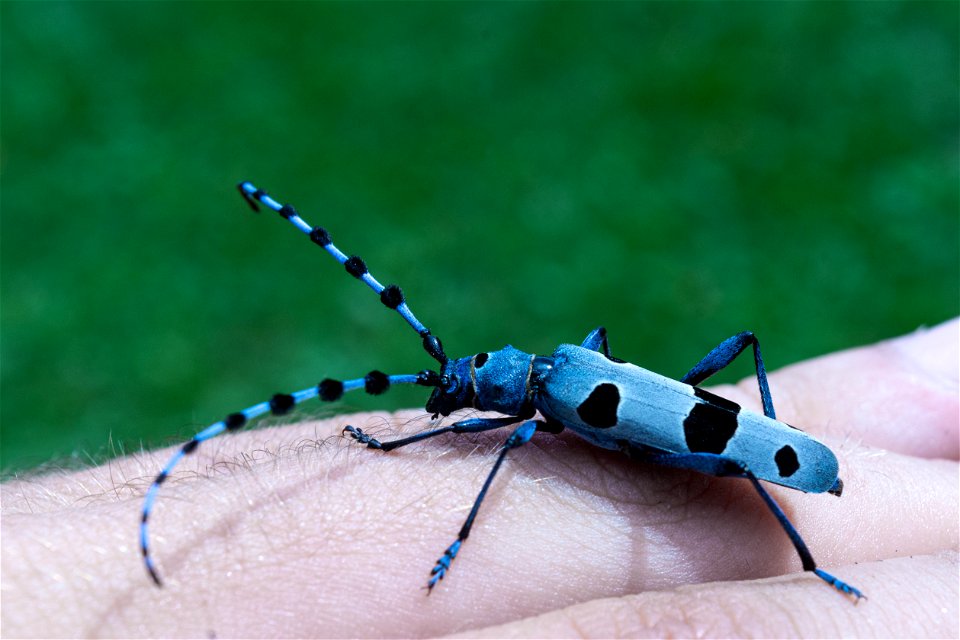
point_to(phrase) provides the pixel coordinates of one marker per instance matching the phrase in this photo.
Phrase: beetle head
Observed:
(454, 388)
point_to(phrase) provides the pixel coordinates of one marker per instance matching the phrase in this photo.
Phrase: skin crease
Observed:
(294, 531)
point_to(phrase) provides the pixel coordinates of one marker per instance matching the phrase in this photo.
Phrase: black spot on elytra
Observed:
(599, 410)
(480, 360)
(787, 463)
(709, 428)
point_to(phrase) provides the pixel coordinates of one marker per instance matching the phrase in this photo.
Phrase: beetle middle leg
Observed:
(520, 436)
(597, 341)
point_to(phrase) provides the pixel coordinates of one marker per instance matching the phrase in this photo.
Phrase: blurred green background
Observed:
(676, 172)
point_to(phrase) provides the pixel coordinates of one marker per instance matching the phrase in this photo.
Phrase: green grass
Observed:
(677, 172)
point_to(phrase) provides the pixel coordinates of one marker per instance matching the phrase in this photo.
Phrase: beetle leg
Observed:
(520, 436)
(472, 425)
(718, 465)
(597, 341)
(725, 353)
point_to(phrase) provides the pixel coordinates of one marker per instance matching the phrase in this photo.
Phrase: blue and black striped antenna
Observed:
(391, 295)
(328, 390)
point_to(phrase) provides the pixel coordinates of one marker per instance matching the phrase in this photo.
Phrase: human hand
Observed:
(295, 531)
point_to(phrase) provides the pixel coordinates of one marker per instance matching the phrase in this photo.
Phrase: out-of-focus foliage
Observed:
(527, 171)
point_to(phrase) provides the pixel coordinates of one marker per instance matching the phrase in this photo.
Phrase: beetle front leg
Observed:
(472, 425)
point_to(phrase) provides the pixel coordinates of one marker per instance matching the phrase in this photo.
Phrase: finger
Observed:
(344, 526)
(598, 525)
(914, 597)
(901, 394)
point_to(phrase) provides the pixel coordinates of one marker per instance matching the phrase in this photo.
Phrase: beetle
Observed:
(608, 402)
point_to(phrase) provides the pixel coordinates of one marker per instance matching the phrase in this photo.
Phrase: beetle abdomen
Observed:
(607, 402)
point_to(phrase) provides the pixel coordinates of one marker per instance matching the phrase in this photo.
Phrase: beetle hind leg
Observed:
(720, 466)
(725, 353)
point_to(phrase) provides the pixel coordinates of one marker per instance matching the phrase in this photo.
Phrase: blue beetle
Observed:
(606, 401)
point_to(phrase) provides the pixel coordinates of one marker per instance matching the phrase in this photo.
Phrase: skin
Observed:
(294, 531)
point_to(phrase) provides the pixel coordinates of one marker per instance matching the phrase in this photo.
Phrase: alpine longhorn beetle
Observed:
(608, 402)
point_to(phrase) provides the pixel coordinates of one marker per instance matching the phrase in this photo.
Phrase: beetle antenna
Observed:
(391, 295)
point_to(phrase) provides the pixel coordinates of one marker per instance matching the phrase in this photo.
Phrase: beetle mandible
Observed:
(608, 402)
